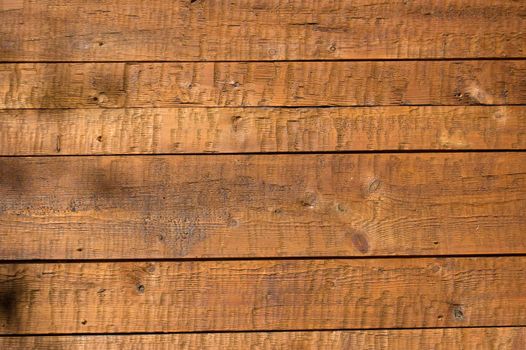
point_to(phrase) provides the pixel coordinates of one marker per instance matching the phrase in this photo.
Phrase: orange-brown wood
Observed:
(235, 130)
(132, 30)
(262, 295)
(111, 85)
(218, 206)
(511, 338)
(104, 94)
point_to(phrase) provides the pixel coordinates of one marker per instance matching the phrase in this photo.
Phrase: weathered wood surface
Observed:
(262, 295)
(509, 338)
(113, 85)
(128, 79)
(262, 206)
(132, 30)
(239, 130)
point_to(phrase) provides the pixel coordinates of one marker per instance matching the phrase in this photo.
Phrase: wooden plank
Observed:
(512, 338)
(239, 130)
(262, 206)
(111, 85)
(262, 295)
(136, 30)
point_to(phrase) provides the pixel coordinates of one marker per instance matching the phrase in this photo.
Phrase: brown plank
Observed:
(262, 295)
(110, 85)
(511, 338)
(83, 30)
(238, 130)
(262, 206)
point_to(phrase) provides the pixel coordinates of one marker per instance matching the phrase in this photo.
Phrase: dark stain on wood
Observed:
(8, 304)
(10, 296)
(359, 241)
(12, 175)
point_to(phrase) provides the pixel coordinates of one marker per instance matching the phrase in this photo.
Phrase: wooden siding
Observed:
(439, 339)
(262, 84)
(263, 295)
(262, 174)
(262, 206)
(240, 30)
(258, 130)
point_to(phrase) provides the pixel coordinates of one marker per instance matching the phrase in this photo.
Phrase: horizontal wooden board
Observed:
(135, 30)
(239, 130)
(370, 83)
(261, 295)
(262, 206)
(511, 338)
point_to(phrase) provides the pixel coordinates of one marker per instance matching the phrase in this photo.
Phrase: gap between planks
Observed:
(511, 58)
(217, 154)
(242, 259)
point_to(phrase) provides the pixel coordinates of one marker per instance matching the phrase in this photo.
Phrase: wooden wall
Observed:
(262, 174)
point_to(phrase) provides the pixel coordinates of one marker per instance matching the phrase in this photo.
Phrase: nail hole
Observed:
(99, 98)
(79, 249)
(99, 138)
(140, 288)
(84, 322)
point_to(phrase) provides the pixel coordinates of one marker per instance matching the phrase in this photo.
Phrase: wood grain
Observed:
(262, 206)
(101, 92)
(239, 130)
(262, 295)
(133, 30)
(376, 83)
(511, 338)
